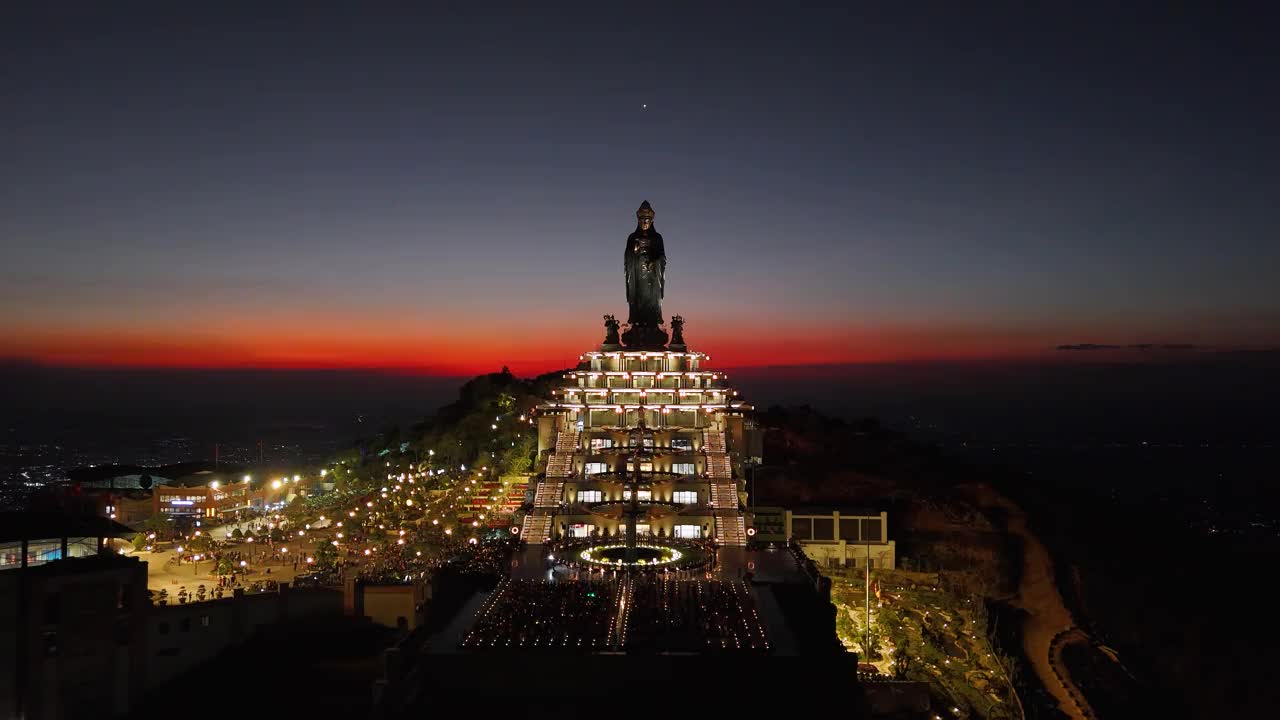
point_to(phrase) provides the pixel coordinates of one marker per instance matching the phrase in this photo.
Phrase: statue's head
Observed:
(645, 215)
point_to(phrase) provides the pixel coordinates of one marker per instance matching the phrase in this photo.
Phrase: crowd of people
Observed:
(661, 614)
(489, 557)
(544, 614)
(692, 615)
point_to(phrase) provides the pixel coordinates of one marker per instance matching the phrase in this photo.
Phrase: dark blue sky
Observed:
(450, 187)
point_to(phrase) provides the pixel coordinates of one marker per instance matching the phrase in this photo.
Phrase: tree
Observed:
(202, 543)
(156, 524)
(506, 402)
(517, 457)
(326, 555)
(225, 566)
(901, 660)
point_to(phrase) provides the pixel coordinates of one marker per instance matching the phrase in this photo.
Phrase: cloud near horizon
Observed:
(1137, 346)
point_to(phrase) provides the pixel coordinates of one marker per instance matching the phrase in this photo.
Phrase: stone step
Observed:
(724, 496)
(559, 465)
(731, 530)
(548, 494)
(567, 441)
(537, 528)
(713, 441)
(718, 466)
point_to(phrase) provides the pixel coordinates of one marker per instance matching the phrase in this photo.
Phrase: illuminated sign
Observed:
(181, 502)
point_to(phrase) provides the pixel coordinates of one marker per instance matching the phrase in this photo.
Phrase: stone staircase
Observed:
(567, 441)
(548, 494)
(731, 530)
(537, 528)
(724, 496)
(550, 490)
(559, 465)
(718, 466)
(713, 441)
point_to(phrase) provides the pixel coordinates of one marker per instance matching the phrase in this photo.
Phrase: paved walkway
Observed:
(778, 632)
(163, 574)
(448, 640)
(1038, 595)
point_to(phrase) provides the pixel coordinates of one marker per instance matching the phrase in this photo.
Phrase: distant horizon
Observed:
(1076, 353)
(1176, 393)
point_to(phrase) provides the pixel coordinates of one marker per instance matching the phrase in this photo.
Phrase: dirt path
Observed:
(1038, 595)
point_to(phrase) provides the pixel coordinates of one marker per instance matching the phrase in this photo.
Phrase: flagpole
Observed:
(866, 636)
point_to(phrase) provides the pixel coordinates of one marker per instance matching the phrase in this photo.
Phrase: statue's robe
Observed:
(646, 273)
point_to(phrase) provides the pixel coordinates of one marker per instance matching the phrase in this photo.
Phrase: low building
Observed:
(80, 637)
(768, 524)
(207, 495)
(72, 642)
(402, 605)
(28, 539)
(842, 538)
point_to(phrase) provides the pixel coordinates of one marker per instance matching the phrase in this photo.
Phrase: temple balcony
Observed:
(647, 477)
(647, 451)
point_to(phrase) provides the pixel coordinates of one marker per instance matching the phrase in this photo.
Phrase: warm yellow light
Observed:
(275, 484)
(214, 484)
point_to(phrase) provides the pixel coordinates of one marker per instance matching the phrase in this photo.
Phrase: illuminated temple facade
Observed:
(642, 414)
(662, 410)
